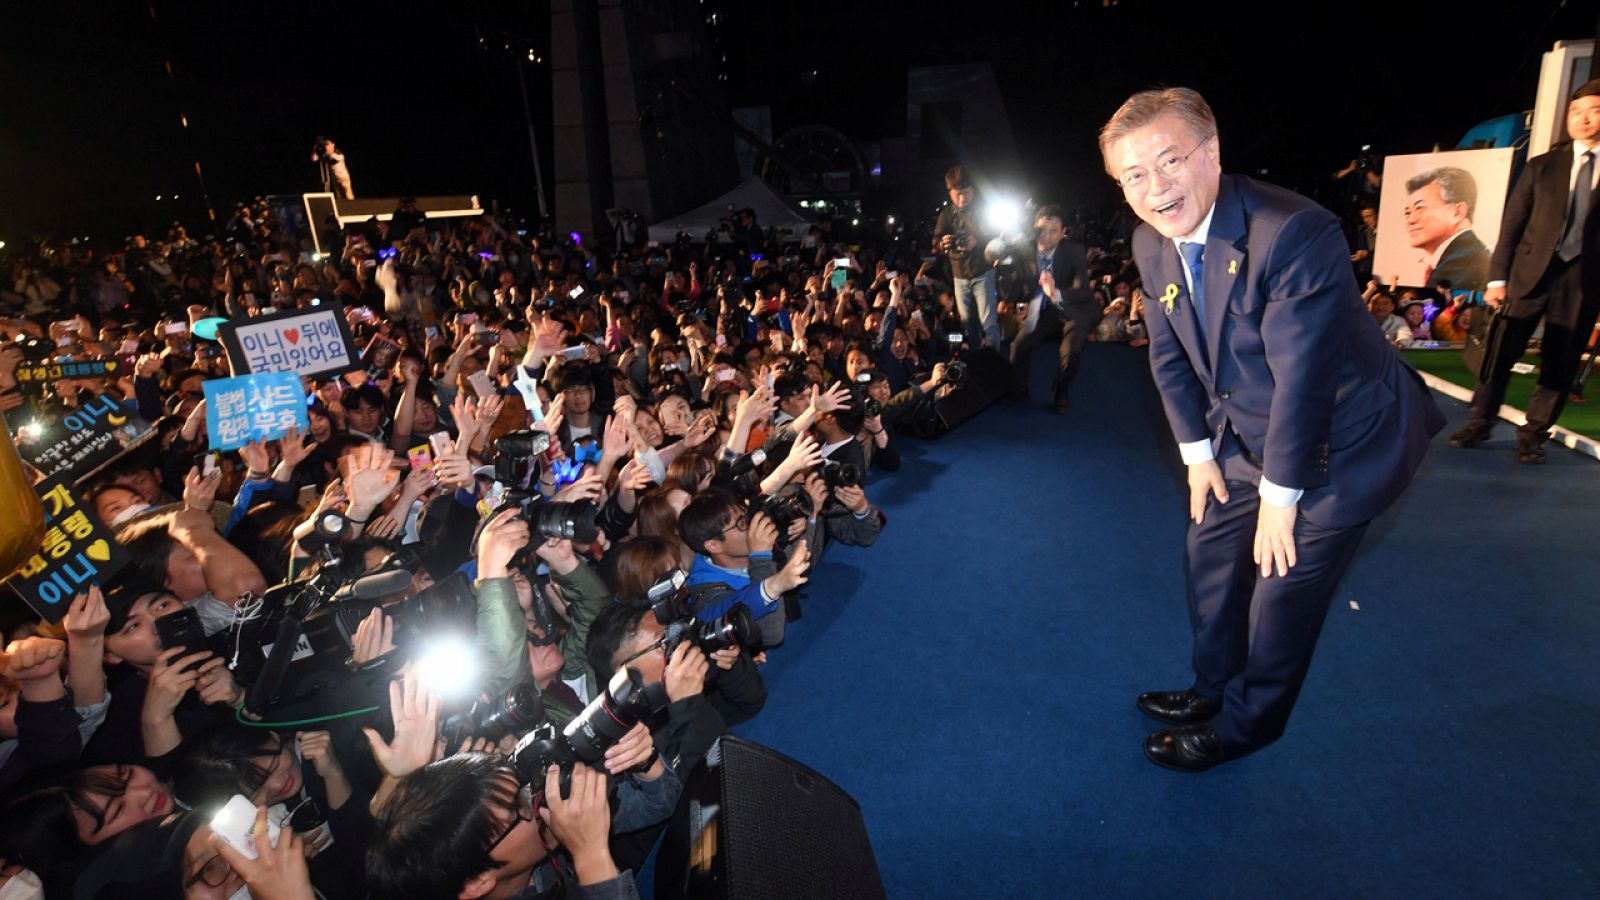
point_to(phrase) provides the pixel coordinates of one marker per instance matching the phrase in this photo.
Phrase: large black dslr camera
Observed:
(517, 711)
(784, 509)
(625, 702)
(514, 462)
(671, 604)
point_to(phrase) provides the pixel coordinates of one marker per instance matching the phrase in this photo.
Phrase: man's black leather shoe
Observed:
(1530, 451)
(1193, 748)
(1471, 435)
(1178, 707)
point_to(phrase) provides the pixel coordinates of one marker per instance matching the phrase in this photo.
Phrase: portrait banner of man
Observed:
(1438, 217)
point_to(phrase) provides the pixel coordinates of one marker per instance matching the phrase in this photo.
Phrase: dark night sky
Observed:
(91, 133)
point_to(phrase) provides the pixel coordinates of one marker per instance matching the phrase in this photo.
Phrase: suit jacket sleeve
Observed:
(1519, 208)
(1309, 290)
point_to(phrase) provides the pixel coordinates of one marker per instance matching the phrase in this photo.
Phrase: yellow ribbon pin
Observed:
(1168, 297)
(1233, 267)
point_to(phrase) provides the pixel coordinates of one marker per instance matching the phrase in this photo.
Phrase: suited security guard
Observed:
(1537, 271)
(1060, 307)
(1297, 421)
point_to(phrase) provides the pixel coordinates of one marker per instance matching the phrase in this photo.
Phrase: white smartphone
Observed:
(575, 352)
(209, 466)
(842, 262)
(482, 384)
(235, 823)
(176, 328)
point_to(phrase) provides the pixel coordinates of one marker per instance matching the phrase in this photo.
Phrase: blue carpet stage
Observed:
(970, 680)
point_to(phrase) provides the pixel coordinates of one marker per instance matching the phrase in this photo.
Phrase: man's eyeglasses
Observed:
(658, 645)
(523, 805)
(1169, 167)
(214, 873)
(740, 523)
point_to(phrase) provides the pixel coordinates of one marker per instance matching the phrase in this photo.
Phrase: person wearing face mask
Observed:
(17, 883)
(116, 504)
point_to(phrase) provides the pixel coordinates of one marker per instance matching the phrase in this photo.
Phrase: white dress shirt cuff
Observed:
(1278, 495)
(1195, 452)
(1495, 284)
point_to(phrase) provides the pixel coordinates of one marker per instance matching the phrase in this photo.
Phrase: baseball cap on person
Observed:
(122, 593)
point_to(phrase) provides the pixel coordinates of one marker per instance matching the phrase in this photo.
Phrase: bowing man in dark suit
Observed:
(1438, 217)
(1539, 271)
(1298, 422)
(1059, 307)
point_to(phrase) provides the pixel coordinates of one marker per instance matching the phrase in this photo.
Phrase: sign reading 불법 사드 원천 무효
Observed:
(77, 552)
(259, 407)
(76, 440)
(309, 342)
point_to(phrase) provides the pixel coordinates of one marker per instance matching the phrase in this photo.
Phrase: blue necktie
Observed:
(1572, 242)
(1194, 257)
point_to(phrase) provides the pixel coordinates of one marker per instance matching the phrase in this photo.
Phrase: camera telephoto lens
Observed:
(624, 702)
(841, 474)
(566, 521)
(515, 712)
(955, 373)
(735, 627)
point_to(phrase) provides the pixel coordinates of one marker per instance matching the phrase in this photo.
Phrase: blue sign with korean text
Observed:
(257, 407)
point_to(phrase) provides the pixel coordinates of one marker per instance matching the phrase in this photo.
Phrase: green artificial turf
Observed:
(1583, 418)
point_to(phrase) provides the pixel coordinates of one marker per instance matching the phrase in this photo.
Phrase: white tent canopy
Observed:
(772, 211)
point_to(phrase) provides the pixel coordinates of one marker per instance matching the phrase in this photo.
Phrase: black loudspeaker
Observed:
(988, 381)
(754, 824)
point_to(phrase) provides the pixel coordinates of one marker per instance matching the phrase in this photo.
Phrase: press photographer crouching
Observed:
(535, 825)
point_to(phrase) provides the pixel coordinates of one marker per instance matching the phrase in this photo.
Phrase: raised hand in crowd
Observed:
(588, 487)
(257, 459)
(369, 478)
(293, 450)
(451, 465)
(316, 747)
(415, 714)
(34, 663)
(200, 491)
(374, 637)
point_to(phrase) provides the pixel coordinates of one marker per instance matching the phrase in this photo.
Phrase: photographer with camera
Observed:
(524, 635)
(960, 235)
(734, 548)
(630, 635)
(475, 825)
(1061, 306)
